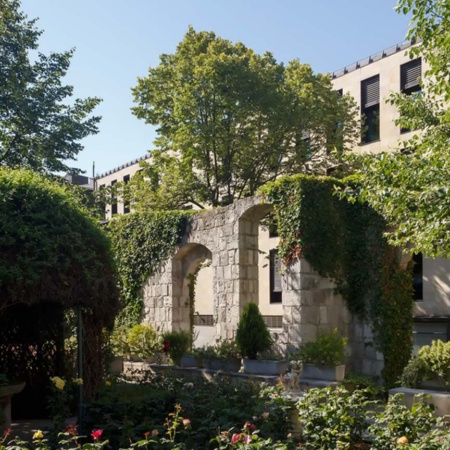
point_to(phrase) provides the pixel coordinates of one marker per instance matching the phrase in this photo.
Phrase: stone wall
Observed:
(228, 237)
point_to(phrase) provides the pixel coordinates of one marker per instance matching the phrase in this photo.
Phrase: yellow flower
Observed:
(108, 383)
(78, 381)
(58, 382)
(38, 434)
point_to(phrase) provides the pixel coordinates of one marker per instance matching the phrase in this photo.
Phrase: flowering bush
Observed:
(125, 411)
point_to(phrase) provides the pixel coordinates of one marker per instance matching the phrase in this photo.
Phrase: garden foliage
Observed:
(51, 247)
(141, 243)
(252, 335)
(345, 242)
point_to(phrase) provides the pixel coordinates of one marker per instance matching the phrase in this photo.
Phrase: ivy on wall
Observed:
(344, 241)
(51, 247)
(142, 243)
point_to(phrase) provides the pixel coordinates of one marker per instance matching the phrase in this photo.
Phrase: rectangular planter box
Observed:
(322, 372)
(264, 367)
(440, 400)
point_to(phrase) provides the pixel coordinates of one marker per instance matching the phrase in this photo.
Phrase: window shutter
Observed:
(276, 271)
(411, 73)
(370, 91)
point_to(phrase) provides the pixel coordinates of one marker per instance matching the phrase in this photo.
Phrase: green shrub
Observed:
(179, 343)
(413, 373)
(143, 341)
(436, 360)
(395, 420)
(328, 348)
(333, 418)
(252, 335)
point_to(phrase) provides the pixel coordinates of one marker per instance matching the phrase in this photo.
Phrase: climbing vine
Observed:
(192, 281)
(141, 243)
(345, 241)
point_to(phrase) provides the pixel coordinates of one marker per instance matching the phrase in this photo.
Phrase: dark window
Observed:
(418, 276)
(126, 205)
(275, 277)
(113, 199)
(370, 109)
(410, 74)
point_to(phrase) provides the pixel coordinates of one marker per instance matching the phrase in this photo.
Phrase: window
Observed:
(275, 277)
(370, 108)
(113, 199)
(410, 74)
(126, 205)
(418, 276)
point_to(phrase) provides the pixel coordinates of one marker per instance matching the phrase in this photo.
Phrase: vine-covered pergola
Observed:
(53, 259)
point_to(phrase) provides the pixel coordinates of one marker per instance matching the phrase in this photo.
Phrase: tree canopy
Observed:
(38, 127)
(229, 120)
(410, 187)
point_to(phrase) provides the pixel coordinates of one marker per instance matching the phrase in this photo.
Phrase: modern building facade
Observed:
(371, 81)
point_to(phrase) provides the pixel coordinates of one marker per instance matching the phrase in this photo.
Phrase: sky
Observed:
(117, 41)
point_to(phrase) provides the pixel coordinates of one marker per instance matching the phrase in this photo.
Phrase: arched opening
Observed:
(252, 243)
(196, 301)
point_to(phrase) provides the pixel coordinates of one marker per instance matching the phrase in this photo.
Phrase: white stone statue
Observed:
(295, 374)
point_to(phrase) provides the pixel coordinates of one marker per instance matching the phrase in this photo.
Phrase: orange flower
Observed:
(402, 440)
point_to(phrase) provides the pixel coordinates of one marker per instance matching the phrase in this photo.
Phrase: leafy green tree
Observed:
(38, 126)
(229, 120)
(410, 187)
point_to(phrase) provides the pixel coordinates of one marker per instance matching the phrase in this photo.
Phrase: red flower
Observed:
(247, 439)
(7, 432)
(96, 434)
(249, 427)
(236, 438)
(166, 345)
(72, 429)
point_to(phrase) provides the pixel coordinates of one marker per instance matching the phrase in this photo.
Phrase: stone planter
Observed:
(190, 361)
(264, 366)
(440, 400)
(6, 392)
(227, 365)
(323, 372)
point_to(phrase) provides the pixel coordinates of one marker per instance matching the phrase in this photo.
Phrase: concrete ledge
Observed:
(440, 400)
(207, 374)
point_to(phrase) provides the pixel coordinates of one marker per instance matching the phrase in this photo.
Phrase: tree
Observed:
(229, 120)
(410, 187)
(38, 127)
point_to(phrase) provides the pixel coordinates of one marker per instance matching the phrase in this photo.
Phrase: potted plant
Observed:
(177, 342)
(430, 369)
(323, 358)
(193, 358)
(253, 339)
(143, 343)
(224, 355)
(118, 349)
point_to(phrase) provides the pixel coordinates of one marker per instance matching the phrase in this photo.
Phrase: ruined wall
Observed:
(228, 237)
